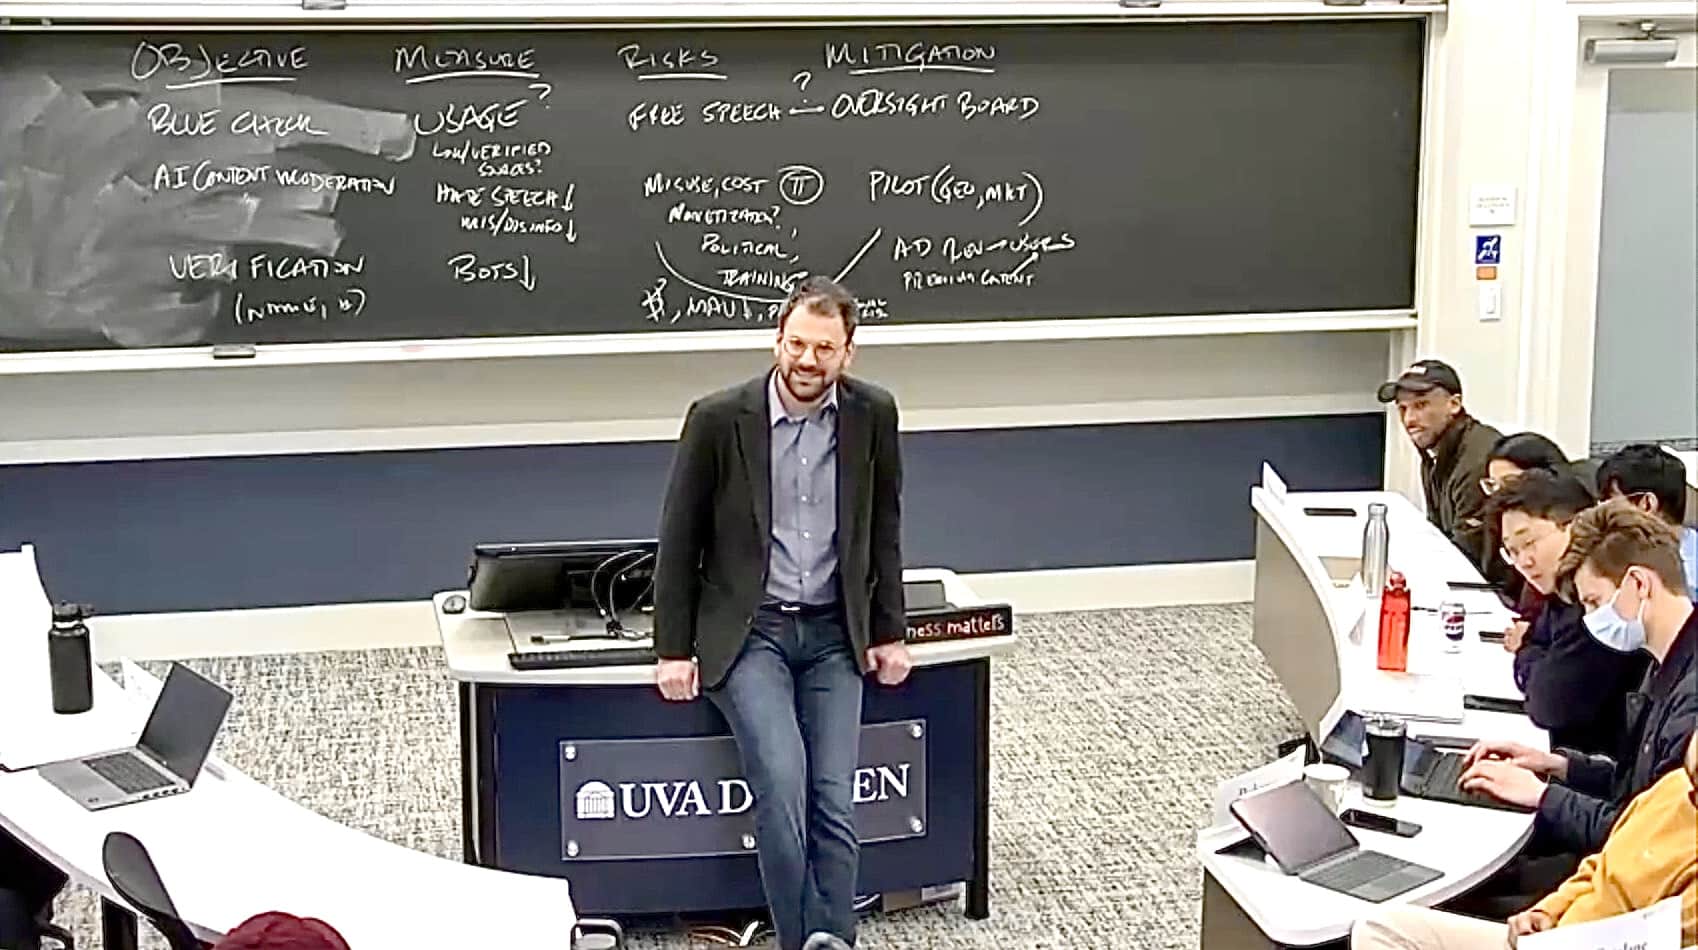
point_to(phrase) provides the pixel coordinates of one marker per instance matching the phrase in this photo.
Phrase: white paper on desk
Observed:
(1278, 772)
(139, 683)
(1429, 696)
(46, 736)
(1655, 928)
(1483, 606)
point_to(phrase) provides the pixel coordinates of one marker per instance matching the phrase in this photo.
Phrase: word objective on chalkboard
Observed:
(211, 188)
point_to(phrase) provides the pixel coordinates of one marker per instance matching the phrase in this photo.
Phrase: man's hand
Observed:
(677, 679)
(1514, 753)
(1530, 922)
(1515, 636)
(1504, 782)
(890, 661)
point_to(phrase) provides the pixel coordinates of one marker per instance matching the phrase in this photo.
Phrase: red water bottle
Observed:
(1394, 625)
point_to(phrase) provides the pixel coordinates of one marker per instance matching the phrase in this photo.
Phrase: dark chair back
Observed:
(130, 869)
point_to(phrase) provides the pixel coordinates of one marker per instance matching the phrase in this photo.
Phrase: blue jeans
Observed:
(793, 700)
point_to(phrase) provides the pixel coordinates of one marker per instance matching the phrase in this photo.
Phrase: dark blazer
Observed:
(1450, 479)
(716, 525)
(1576, 687)
(1579, 812)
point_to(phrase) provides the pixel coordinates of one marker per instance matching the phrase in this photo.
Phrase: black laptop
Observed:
(1306, 839)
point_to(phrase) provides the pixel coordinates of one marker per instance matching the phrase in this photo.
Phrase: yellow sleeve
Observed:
(1582, 883)
(1557, 902)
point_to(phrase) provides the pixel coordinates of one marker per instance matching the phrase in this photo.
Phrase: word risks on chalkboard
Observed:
(170, 190)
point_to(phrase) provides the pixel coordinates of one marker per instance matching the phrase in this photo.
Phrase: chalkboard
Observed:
(167, 189)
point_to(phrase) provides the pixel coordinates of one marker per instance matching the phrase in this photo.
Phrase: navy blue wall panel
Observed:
(201, 534)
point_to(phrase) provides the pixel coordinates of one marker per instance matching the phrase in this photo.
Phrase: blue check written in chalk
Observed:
(1488, 248)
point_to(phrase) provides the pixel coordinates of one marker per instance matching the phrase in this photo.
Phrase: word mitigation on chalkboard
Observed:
(960, 623)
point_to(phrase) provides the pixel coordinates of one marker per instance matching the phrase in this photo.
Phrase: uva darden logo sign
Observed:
(667, 798)
(595, 801)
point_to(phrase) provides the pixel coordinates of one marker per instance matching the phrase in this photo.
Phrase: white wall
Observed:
(1645, 378)
(637, 397)
(1513, 102)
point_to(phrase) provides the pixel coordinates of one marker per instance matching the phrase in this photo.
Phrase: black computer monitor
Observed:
(560, 575)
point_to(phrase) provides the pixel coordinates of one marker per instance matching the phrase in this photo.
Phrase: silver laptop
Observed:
(175, 743)
(1306, 839)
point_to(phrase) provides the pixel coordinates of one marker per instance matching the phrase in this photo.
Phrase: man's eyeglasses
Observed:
(1514, 553)
(824, 352)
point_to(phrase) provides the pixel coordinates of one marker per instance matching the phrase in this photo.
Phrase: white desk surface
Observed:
(475, 645)
(1467, 843)
(232, 848)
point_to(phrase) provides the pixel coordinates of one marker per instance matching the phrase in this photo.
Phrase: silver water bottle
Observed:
(1376, 548)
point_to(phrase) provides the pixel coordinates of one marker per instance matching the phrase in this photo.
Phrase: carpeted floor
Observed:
(1109, 733)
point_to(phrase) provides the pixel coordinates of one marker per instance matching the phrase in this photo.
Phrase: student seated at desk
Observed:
(1626, 569)
(1649, 857)
(1576, 687)
(1510, 457)
(1453, 447)
(1655, 481)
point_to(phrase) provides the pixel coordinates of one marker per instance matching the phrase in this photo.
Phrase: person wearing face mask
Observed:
(1648, 858)
(1576, 688)
(1626, 569)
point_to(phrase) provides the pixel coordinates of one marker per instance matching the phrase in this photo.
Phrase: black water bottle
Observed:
(69, 663)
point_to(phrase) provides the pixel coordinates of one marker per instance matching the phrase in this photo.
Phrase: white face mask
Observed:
(1610, 628)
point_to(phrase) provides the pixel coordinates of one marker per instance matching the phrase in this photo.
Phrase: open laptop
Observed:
(1306, 839)
(175, 743)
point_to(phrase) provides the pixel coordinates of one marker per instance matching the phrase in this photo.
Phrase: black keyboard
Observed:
(579, 659)
(129, 775)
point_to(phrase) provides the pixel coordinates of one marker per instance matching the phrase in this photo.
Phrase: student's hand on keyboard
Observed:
(1514, 753)
(1530, 922)
(1504, 782)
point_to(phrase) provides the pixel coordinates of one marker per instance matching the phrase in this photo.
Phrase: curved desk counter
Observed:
(588, 773)
(1306, 618)
(231, 847)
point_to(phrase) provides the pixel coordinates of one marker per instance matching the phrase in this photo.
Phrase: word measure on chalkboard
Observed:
(240, 188)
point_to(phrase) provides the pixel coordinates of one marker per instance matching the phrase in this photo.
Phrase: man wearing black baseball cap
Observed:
(1454, 447)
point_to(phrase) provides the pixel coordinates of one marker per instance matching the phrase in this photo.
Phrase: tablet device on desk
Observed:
(1433, 772)
(173, 747)
(1306, 839)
